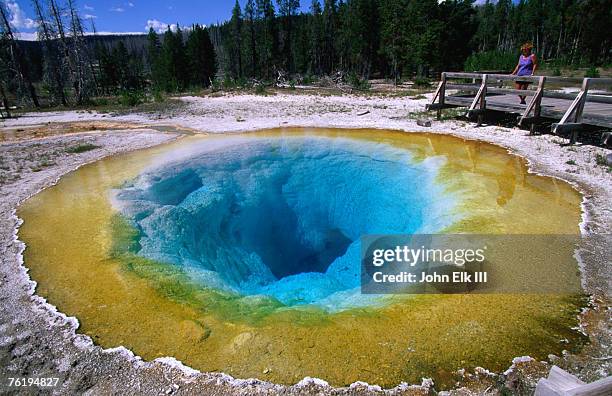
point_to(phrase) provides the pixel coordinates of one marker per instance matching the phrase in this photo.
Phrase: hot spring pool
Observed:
(282, 218)
(240, 253)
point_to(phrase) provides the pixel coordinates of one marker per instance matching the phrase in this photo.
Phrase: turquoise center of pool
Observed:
(282, 217)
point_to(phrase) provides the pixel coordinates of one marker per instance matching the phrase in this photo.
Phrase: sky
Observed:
(133, 16)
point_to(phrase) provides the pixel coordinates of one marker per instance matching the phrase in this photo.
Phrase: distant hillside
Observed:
(131, 41)
(134, 43)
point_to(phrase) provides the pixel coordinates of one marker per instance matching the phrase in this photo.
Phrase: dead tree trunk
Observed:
(92, 69)
(18, 58)
(82, 78)
(5, 102)
(63, 42)
(52, 57)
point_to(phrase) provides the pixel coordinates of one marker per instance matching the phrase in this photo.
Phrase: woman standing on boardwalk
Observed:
(526, 66)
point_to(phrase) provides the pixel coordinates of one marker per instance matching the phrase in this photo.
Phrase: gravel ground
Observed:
(37, 148)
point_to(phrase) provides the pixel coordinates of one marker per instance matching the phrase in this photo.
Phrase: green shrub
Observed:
(491, 60)
(158, 95)
(131, 98)
(592, 72)
(422, 82)
(601, 160)
(358, 83)
(81, 148)
(228, 82)
(243, 83)
(260, 89)
(216, 85)
(101, 102)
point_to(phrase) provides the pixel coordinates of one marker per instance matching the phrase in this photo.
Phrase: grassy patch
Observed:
(358, 83)
(131, 98)
(422, 82)
(125, 103)
(260, 89)
(81, 148)
(417, 114)
(592, 72)
(42, 165)
(601, 161)
(447, 114)
(166, 107)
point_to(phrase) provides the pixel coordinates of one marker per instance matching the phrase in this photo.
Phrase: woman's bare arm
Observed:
(535, 63)
(515, 68)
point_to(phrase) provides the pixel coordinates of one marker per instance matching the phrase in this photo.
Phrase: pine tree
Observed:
(121, 58)
(392, 35)
(108, 69)
(329, 35)
(486, 28)
(156, 66)
(201, 55)
(301, 44)
(133, 78)
(316, 35)
(167, 73)
(236, 41)
(250, 20)
(423, 34)
(209, 62)
(596, 21)
(287, 9)
(173, 62)
(502, 16)
(181, 72)
(360, 34)
(269, 38)
(458, 19)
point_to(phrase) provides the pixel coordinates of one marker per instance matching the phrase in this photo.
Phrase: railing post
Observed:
(479, 93)
(580, 108)
(576, 108)
(442, 94)
(480, 100)
(535, 105)
(539, 95)
(483, 100)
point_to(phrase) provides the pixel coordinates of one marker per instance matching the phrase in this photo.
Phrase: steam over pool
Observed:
(282, 218)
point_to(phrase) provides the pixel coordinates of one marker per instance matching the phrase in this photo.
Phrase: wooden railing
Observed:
(493, 83)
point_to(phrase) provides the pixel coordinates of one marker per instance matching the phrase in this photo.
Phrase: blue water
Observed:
(282, 217)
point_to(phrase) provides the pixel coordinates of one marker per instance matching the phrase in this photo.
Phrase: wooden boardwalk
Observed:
(591, 104)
